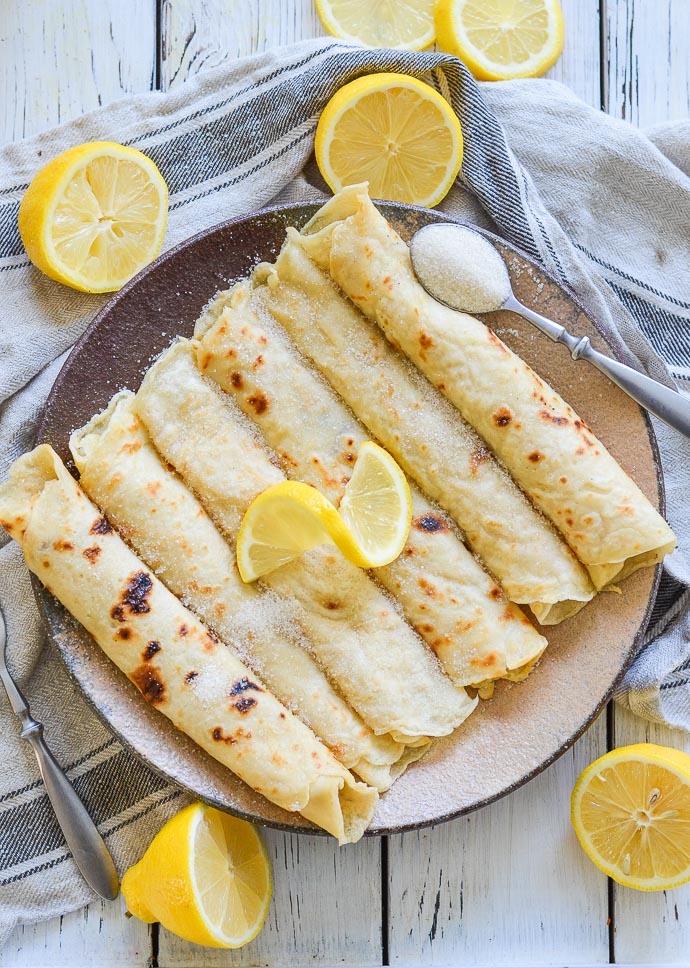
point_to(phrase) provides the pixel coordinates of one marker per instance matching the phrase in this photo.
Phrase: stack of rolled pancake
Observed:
(319, 686)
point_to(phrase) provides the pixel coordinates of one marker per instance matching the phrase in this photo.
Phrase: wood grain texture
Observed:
(58, 60)
(326, 909)
(506, 885)
(647, 69)
(579, 65)
(98, 936)
(650, 928)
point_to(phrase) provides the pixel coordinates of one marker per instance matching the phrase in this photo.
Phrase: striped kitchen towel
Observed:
(601, 206)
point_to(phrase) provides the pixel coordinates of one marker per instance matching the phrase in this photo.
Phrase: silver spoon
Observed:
(438, 256)
(83, 839)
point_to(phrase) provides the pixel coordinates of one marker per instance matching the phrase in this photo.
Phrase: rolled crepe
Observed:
(448, 598)
(174, 661)
(376, 661)
(548, 449)
(427, 437)
(166, 526)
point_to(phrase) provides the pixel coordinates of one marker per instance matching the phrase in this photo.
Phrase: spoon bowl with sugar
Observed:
(463, 270)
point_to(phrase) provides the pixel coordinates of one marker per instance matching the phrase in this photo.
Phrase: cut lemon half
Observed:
(401, 24)
(94, 216)
(205, 877)
(289, 518)
(631, 813)
(501, 39)
(393, 131)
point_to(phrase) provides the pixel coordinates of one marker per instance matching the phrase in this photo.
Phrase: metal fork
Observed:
(83, 839)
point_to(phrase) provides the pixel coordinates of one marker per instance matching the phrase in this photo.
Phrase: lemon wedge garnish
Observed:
(631, 813)
(289, 518)
(205, 877)
(501, 39)
(402, 24)
(393, 131)
(94, 216)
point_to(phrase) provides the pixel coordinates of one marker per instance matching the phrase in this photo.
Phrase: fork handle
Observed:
(83, 839)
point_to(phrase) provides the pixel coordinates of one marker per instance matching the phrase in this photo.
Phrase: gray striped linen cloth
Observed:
(601, 206)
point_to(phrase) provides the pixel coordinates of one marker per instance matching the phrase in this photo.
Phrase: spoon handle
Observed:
(666, 404)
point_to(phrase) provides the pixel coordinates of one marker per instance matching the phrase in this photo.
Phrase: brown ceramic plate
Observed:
(527, 725)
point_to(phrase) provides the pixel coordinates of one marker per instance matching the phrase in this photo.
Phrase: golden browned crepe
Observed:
(175, 662)
(167, 527)
(378, 663)
(452, 602)
(549, 450)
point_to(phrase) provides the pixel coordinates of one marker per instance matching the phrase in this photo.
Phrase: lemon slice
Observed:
(501, 39)
(401, 24)
(94, 216)
(289, 518)
(206, 877)
(631, 813)
(393, 131)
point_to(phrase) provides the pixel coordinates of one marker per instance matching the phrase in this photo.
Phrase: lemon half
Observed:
(289, 518)
(401, 24)
(205, 877)
(94, 216)
(393, 131)
(501, 39)
(631, 813)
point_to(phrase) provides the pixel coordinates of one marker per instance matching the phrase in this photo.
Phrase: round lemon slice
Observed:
(631, 813)
(393, 131)
(501, 39)
(401, 24)
(94, 216)
(205, 877)
(289, 518)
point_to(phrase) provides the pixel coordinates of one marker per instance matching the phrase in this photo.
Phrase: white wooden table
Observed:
(508, 885)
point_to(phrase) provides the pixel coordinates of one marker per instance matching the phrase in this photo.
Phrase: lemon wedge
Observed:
(631, 813)
(289, 518)
(94, 216)
(393, 131)
(501, 39)
(206, 877)
(401, 24)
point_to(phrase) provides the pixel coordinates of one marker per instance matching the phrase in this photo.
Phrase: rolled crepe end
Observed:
(338, 208)
(341, 806)
(27, 478)
(83, 441)
(553, 613)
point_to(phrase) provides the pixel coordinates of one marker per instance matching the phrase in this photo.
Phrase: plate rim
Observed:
(43, 597)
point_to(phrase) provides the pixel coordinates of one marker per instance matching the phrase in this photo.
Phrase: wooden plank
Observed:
(326, 909)
(508, 885)
(579, 65)
(196, 36)
(647, 69)
(650, 928)
(98, 936)
(58, 60)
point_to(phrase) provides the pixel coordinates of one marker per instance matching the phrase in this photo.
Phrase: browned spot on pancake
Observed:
(441, 386)
(259, 402)
(91, 554)
(146, 679)
(211, 641)
(547, 415)
(625, 509)
(133, 598)
(486, 662)
(580, 451)
(502, 417)
(242, 685)
(205, 360)
(497, 342)
(263, 340)
(244, 704)
(408, 552)
(169, 466)
(426, 628)
(183, 629)
(387, 280)
(46, 564)
(429, 523)
(495, 593)
(535, 456)
(153, 487)
(236, 380)
(478, 455)
(61, 545)
(332, 606)
(349, 457)
(191, 676)
(350, 442)
(124, 633)
(428, 589)
(282, 715)
(230, 354)
(151, 649)
(425, 341)
(218, 735)
(100, 526)
(569, 522)
(563, 480)
(259, 361)
(132, 447)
